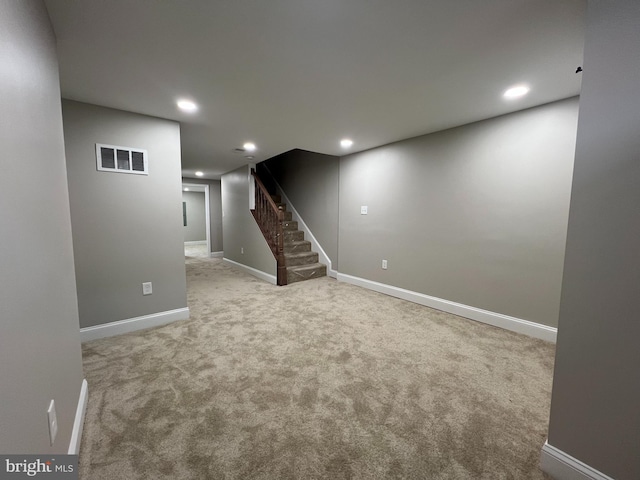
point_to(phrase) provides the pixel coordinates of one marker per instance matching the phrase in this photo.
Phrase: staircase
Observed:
(296, 262)
(301, 262)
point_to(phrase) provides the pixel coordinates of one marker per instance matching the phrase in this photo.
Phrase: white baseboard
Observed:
(514, 324)
(252, 271)
(78, 423)
(133, 324)
(562, 466)
(315, 245)
(217, 254)
(195, 242)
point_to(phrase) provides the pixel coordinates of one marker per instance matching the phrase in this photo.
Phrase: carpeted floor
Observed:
(319, 379)
(197, 251)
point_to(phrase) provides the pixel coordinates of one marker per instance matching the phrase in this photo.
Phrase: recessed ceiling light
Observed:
(199, 174)
(186, 189)
(516, 91)
(187, 106)
(346, 143)
(250, 147)
(249, 156)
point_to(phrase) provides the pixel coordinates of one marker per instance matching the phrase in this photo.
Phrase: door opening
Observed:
(196, 220)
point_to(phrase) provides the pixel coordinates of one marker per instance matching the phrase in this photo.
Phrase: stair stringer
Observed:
(315, 245)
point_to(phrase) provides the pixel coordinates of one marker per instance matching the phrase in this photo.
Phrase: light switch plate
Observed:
(363, 210)
(147, 288)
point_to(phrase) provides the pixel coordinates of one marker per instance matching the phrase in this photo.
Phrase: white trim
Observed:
(251, 271)
(315, 245)
(252, 186)
(514, 324)
(196, 242)
(219, 254)
(207, 213)
(207, 216)
(132, 324)
(562, 466)
(78, 423)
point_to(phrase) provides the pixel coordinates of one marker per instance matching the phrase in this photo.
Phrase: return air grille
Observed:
(111, 158)
(138, 163)
(108, 160)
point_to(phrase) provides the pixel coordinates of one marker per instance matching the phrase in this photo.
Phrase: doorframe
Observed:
(207, 213)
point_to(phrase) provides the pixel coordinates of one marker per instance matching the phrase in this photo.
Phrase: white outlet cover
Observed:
(384, 264)
(147, 288)
(363, 210)
(53, 421)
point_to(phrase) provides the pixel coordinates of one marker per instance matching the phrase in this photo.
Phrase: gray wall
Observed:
(196, 228)
(215, 210)
(40, 355)
(311, 182)
(475, 214)
(239, 228)
(596, 389)
(127, 229)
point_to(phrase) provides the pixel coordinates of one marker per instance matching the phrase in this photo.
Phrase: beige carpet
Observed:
(197, 251)
(319, 379)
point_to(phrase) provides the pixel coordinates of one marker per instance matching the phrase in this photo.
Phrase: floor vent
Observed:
(111, 158)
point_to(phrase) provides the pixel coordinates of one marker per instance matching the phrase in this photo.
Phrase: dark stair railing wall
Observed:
(270, 219)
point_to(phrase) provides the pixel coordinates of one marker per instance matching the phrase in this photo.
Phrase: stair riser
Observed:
(297, 247)
(290, 225)
(288, 216)
(276, 198)
(291, 236)
(312, 257)
(293, 277)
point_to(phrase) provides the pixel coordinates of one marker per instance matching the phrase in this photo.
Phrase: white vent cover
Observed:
(111, 158)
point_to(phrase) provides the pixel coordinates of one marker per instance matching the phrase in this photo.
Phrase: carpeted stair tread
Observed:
(298, 246)
(301, 258)
(292, 236)
(306, 272)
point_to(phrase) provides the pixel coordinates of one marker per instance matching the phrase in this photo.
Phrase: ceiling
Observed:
(287, 74)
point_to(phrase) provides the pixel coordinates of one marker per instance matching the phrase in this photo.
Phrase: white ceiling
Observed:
(305, 73)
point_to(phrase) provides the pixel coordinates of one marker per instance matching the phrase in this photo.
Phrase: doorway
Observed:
(196, 220)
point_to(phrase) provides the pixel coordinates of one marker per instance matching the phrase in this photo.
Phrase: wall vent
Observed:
(111, 158)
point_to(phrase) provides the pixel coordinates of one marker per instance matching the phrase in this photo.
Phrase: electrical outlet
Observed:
(147, 288)
(384, 264)
(53, 421)
(241, 250)
(363, 210)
